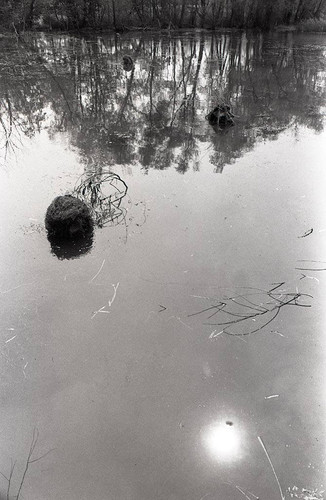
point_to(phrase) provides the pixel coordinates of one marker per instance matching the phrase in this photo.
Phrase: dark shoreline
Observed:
(110, 31)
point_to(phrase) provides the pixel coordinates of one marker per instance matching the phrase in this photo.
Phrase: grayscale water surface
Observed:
(183, 356)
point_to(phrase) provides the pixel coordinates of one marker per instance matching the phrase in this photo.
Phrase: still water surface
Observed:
(183, 356)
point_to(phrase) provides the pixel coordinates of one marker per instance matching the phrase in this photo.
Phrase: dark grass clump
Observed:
(128, 63)
(71, 249)
(68, 218)
(221, 116)
(103, 193)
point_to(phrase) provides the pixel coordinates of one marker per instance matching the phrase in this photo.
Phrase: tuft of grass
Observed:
(103, 192)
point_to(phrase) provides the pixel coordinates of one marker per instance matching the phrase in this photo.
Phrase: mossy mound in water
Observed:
(128, 63)
(221, 116)
(64, 248)
(68, 218)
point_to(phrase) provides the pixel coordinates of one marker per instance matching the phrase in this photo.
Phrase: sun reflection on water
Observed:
(224, 441)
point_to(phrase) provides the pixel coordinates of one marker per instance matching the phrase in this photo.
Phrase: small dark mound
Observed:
(128, 63)
(65, 249)
(68, 218)
(221, 116)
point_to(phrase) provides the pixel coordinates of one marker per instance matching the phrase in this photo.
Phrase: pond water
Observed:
(182, 355)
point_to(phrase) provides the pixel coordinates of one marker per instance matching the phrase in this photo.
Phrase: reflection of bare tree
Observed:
(155, 113)
(6, 121)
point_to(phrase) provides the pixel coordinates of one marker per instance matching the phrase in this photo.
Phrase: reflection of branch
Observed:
(128, 94)
(184, 81)
(184, 104)
(200, 56)
(129, 85)
(10, 116)
(281, 88)
(46, 69)
(9, 143)
(142, 113)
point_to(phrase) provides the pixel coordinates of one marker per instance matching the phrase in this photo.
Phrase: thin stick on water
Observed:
(208, 309)
(241, 491)
(98, 272)
(9, 340)
(310, 268)
(252, 494)
(110, 302)
(272, 466)
(115, 288)
(244, 493)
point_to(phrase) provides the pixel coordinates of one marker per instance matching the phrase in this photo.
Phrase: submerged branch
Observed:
(275, 300)
(272, 466)
(28, 462)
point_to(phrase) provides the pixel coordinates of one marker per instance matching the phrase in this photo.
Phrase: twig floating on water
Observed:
(213, 335)
(218, 308)
(205, 496)
(115, 288)
(98, 272)
(254, 496)
(309, 277)
(277, 333)
(311, 269)
(110, 302)
(14, 288)
(307, 260)
(244, 494)
(101, 310)
(306, 233)
(272, 466)
(249, 311)
(180, 320)
(12, 338)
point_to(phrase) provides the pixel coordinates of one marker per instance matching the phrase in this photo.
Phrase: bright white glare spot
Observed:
(223, 441)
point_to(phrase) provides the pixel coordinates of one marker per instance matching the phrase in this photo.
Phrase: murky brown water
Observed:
(188, 345)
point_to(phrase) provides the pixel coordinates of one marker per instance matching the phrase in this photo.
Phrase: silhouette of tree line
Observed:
(154, 114)
(124, 14)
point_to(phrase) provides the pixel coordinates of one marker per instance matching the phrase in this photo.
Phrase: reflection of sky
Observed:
(223, 440)
(111, 401)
